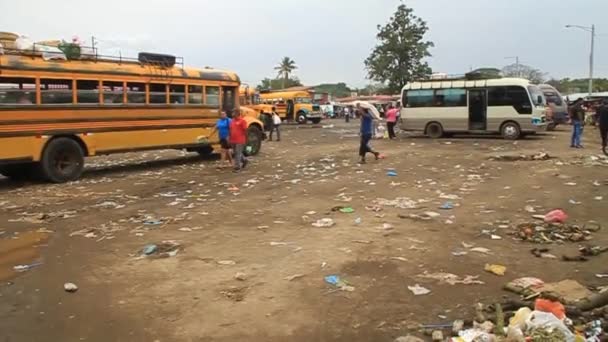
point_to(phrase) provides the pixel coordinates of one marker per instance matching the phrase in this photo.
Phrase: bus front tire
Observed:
(510, 131)
(254, 140)
(301, 118)
(62, 161)
(434, 130)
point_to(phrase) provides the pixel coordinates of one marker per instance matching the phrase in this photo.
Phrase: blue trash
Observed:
(332, 279)
(391, 174)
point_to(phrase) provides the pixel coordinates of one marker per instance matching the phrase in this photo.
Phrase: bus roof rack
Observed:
(477, 74)
(88, 53)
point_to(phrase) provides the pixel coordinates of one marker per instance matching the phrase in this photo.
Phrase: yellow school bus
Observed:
(293, 105)
(251, 105)
(55, 113)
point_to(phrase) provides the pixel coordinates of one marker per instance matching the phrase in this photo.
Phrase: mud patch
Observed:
(22, 249)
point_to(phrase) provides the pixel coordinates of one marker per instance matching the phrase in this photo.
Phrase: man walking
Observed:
(276, 123)
(367, 130)
(602, 120)
(577, 116)
(238, 139)
(222, 127)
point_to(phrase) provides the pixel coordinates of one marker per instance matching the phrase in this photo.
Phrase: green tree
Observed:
(399, 55)
(335, 90)
(285, 68)
(524, 71)
(276, 83)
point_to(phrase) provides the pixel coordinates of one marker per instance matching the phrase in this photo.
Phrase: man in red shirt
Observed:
(238, 139)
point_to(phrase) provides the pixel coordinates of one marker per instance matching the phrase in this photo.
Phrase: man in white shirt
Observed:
(276, 123)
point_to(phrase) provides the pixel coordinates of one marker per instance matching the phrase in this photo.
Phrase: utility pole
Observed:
(517, 68)
(591, 60)
(591, 55)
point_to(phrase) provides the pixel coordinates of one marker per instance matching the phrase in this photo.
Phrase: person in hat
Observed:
(238, 139)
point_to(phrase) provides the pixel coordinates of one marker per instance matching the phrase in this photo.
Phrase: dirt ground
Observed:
(258, 223)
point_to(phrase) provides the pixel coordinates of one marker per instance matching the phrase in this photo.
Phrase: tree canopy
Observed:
(334, 89)
(285, 68)
(399, 55)
(581, 85)
(524, 71)
(278, 83)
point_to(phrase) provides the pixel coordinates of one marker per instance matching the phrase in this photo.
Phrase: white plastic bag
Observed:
(24, 43)
(547, 320)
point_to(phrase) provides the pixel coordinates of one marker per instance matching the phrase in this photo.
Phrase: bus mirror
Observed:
(540, 99)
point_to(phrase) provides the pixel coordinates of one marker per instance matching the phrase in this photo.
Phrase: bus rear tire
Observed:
(510, 131)
(204, 151)
(434, 130)
(62, 161)
(254, 140)
(551, 126)
(316, 120)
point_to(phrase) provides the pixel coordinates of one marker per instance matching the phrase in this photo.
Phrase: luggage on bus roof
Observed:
(157, 59)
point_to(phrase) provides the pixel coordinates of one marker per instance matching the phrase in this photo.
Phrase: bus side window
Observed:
(113, 92)
(158, 93)
(87, 92)
(213, 96)
(450, 98)
(177, 94)
(17, 91)
(195, 94)
(420, 98)
(56, 91)
(520, 99)
(136, 93)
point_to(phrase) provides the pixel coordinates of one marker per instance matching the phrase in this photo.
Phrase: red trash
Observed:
(556, 308)
(556, 216)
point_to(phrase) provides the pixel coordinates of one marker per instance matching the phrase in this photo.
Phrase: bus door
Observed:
(228, 99)
(290, 110)
(478, 109)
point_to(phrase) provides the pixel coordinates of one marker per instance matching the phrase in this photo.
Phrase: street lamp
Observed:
(592, 31)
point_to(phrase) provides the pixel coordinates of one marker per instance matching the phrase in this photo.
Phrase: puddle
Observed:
(23, 250)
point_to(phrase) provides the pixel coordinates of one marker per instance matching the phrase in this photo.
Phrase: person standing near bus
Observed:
(391, 121)
(223, 129)
(276, 123)
(367, 131)
(238, 139)
(602, 120)
(577, 116)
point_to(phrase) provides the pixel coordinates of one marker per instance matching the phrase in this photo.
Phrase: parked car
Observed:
(559, 107)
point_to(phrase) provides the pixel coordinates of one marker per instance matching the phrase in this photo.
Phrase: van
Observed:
(559, 107)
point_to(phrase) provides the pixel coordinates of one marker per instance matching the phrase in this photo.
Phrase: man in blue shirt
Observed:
(223, 128)
(367, 131)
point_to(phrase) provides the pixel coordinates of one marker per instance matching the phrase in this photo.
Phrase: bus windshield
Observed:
(305, 100)
(535, 92)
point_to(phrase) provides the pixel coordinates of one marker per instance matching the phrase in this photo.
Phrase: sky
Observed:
(328, 39)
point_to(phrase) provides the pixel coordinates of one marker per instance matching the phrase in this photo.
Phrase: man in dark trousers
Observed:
(367, 131)
(577, 116)
(602, 120)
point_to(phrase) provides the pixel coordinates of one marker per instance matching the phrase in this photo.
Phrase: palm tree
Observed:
(286, 67)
